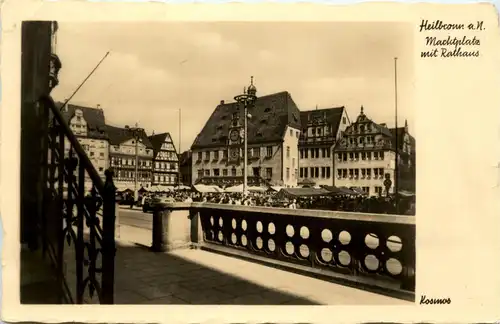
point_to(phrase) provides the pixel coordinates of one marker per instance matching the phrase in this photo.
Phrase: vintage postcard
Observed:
(250, 161)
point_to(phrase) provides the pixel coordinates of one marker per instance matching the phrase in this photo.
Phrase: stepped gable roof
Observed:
(96, 123)
(333, 116)
(118, 135)
(270, 116)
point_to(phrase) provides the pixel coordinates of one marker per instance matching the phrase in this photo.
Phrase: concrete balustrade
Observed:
(366, 250)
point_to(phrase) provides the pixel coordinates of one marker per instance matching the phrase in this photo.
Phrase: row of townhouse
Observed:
(120, 147)
(289, 147)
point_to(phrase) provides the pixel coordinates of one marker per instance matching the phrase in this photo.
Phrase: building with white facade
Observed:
(124, 146)
(165, 169)
(89, 126)
(366, 156)
(273, 135)
(321, 128)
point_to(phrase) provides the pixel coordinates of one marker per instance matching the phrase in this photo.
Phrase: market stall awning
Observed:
(182, 187)
(405, 193)
(341, 191)
(301, 192)
(207, 189)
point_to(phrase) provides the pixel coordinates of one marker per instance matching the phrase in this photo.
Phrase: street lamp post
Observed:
(248, 98)
(136, 131)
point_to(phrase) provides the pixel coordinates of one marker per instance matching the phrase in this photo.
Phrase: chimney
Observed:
(383, 125)
(98, 106)
(127, 127)
(222, 102)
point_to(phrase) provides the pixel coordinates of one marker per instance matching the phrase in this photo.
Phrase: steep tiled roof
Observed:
(118, 135)
(96, 124)
(157, 140)
(270, 116)
(332, 115)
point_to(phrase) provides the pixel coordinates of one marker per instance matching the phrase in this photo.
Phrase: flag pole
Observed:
(396, 167)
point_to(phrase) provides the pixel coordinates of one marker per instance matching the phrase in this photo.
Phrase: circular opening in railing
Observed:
(233, 223)
(326, 255)
(289, 247)
(233, 238)
(344, 258)
(394, 243)
(290, 230)
(371, 262)
(344, 237)
(259, 243)
(271, 228)
(372, 241)
(221, 222)
(271, 245)
(304, 250)
(220, 236)
(244, 225)
(75, 211)
(244, 240)
(258, 226)
(394, 266)
(326, 235)
(304, 232)
(212, 220)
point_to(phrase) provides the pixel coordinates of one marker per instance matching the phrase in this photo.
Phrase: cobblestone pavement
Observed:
(192, 276)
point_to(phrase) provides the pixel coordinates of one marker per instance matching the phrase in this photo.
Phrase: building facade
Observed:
(321, 129)
(89, 126)
(165, 170)
(366, 156)
(185, 164)
(273, 135)
(124, 146)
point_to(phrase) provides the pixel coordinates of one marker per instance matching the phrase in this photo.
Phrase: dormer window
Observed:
(78, 119)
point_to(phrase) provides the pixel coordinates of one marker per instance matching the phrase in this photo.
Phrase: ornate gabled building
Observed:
(321, 128)
(89, 126)
(366, 156)
(124, 144)
(165, 160)
(273, 134)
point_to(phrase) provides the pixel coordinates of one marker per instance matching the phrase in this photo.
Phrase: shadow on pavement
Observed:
(144, 277)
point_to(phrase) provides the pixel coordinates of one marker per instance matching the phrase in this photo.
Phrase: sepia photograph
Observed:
(218, 163)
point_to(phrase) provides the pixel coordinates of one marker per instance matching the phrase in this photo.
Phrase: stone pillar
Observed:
(171, 227)
(196, 227)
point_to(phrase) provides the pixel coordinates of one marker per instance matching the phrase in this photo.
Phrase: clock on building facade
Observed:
(235, 140)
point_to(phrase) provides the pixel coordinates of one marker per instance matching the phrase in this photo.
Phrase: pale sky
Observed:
(154, 69)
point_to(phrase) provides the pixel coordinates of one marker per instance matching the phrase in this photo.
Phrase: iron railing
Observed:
(76, 202)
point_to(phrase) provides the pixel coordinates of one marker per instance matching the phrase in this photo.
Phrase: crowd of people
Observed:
(362, 204)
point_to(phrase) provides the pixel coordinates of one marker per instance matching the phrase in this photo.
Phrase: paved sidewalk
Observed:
(193, 276)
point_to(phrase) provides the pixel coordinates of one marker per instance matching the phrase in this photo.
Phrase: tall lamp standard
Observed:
(248, 99)
(136, 132)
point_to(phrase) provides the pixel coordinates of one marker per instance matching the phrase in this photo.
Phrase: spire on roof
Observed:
(252, 90)
(362, 109)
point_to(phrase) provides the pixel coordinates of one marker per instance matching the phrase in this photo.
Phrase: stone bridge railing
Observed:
(371, 251)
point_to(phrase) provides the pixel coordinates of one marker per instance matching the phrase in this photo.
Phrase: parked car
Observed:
(150, 203)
